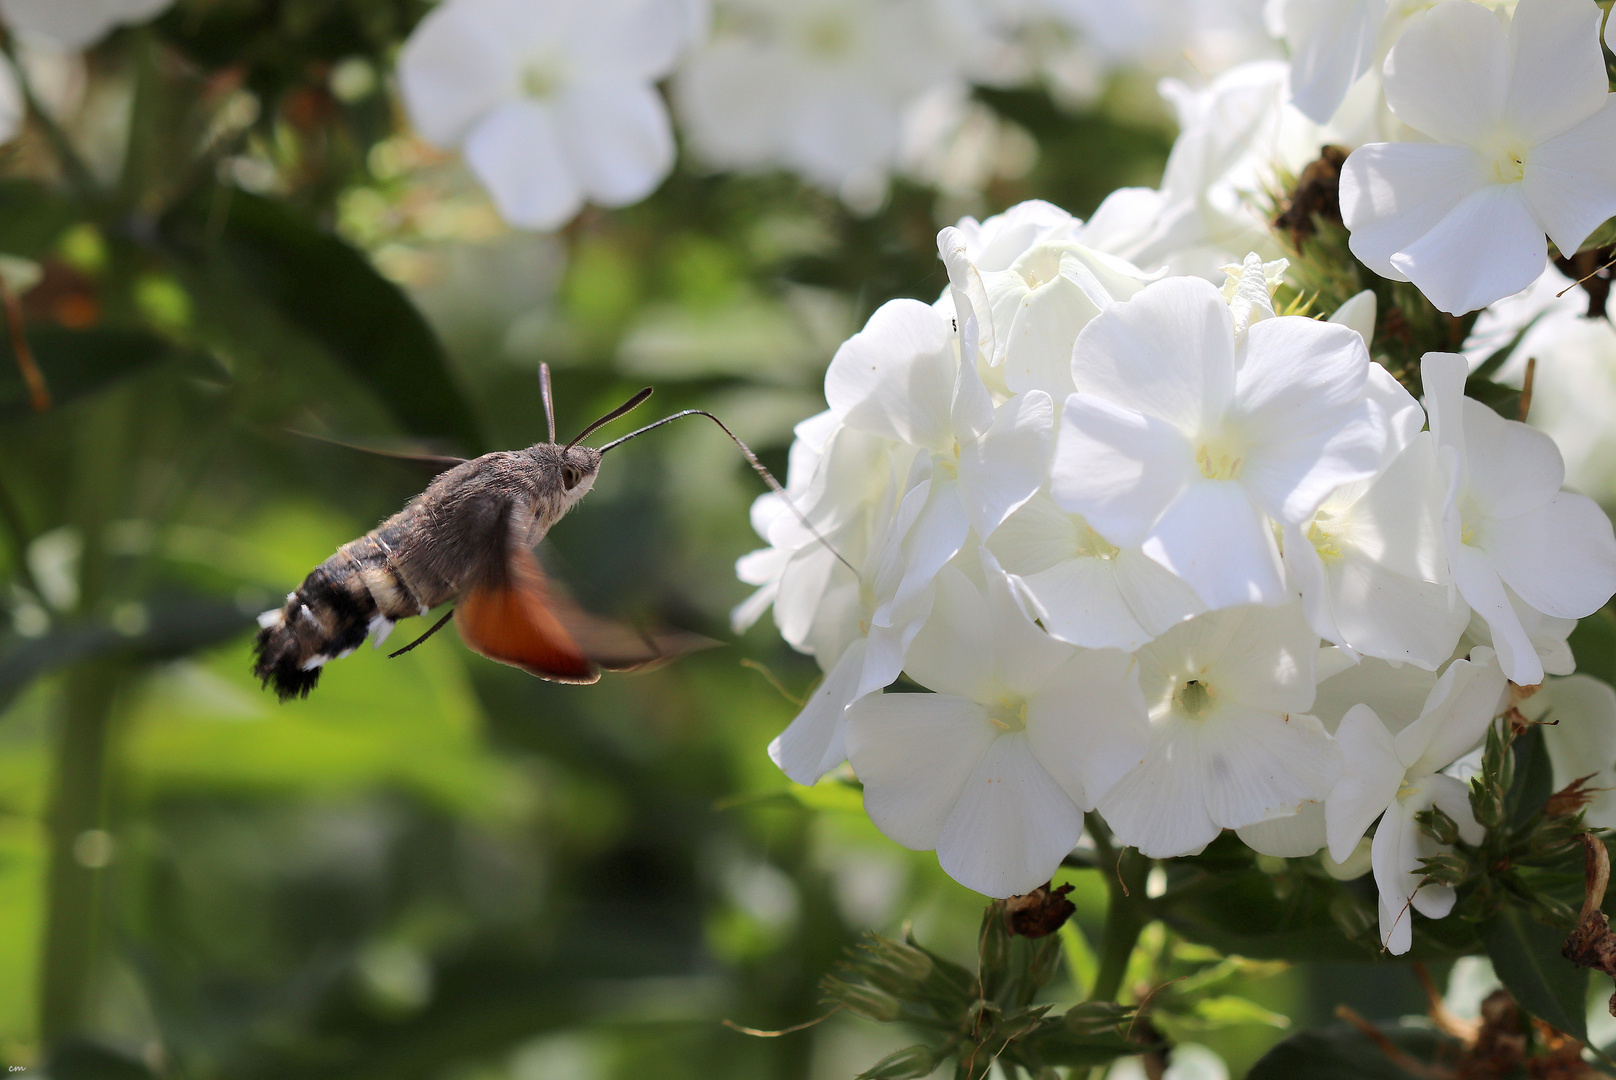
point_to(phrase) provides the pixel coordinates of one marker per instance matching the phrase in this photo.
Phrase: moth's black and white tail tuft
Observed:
(329, 616)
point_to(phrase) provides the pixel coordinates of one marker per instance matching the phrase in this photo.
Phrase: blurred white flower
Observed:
(1523, 141)
(76, 24)
(1177, 445)
(553, 104)
(1510, 532)
(1395, 776)
(999, 241)
(1234, 138)
(1332, 43)
(996, 768)
(1578, 716)
(1230, 743)
(816, 86)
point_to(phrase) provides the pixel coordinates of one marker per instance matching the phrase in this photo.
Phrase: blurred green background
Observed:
(435, 866)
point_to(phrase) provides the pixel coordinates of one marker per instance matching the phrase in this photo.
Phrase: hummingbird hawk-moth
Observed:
(468, 538)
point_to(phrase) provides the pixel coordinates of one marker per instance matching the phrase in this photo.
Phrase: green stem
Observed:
(76, 806)
(1124, 919)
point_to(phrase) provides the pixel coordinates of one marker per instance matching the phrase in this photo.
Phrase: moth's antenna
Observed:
(751, 459)
(549, 398)
(627, 406)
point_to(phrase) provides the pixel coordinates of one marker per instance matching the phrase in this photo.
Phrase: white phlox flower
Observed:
(1511, 533)
(1181, 444)
(849, 485)
(77, 24)
(1023, 734)
(816, 86)
(553, 104)
(911, 376)
(1396, 774)
(1230, 743)
(1370, 563)
(1521, 126)
(1578, 717)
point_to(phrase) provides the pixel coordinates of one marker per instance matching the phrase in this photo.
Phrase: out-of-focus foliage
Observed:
(436, 866)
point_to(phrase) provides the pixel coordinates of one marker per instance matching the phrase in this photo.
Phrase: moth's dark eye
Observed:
(570, 477)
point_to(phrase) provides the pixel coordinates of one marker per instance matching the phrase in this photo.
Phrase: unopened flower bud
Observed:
(863, 1000)
(906, 1064)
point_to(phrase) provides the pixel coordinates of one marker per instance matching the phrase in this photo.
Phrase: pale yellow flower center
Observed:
(1194, 699)
(1218, 461)
(1009, 714)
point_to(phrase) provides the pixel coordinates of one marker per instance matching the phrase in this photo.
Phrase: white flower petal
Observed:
(1087, 723)
(1370, 776)
(1118, 468)
(1487, 248)
(1570, 180)
(1337, 44)
(1397, 694)
(1158, 598)
(1559, 558)
(895, 378)
(618, 139)
(1479, 583)
(815, 742)
(1307, 421)
(1261, 766)
(517, 151)
(1381, 613)
(1007, 465)
(1456, 715)
(1220, 544)
(1448, 73)
(953, 652)
(1167, 352)
(1557, 73)
(1394, 193)
(1012, 825)
(730, 102)
(913, 753)
(1293, 837)
(1038, 349)
(1079, 601)
(454, 68)
(1159, 806)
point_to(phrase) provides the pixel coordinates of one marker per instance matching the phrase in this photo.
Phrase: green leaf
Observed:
(177, 624)
(77, 363)
(1526, 955)
(32, 218)
(1534, 777)
(1228, 1010)
(1346, 1053)
(331, 292)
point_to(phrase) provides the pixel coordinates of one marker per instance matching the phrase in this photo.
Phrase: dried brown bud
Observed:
(1039, 913)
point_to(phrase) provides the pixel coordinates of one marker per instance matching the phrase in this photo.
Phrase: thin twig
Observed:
(1526, 389)
(759, 1033)
(1591, 273)
(39, 398)
(773, 681)
(1394, 1053)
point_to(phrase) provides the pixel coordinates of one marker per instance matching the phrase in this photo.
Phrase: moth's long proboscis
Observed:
(549, 399)
(752, 460)
(628, 406)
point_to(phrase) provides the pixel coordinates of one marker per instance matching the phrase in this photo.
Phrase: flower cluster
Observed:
(1161, 552)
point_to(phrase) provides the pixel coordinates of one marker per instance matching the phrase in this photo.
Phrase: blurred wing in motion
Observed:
(523, 620)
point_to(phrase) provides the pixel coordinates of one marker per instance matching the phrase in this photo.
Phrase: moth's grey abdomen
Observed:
(355, 593)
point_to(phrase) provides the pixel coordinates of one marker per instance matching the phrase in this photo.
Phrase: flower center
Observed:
(1009, 715)
(829, 37)
(1218, 461)
(1194, 699)
(1509, 165)
(1323, 542)
(1039, 267)
(542, 79)
(1088, 544)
